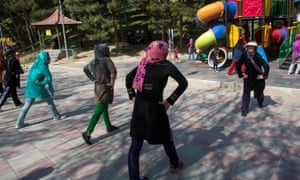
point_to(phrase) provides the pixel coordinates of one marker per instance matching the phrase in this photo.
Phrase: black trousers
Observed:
(258, 86)
(1, 88)
(12, 91)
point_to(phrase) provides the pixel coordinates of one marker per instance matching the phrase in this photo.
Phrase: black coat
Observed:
(12, 69)
(149, 119)
(250, 70)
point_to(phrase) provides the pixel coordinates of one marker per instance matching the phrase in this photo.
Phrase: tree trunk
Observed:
(163, 34)
(28, 33)
(180, 32)
(116, 35)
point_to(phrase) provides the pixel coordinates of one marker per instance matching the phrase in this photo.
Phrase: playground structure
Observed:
(272, 23)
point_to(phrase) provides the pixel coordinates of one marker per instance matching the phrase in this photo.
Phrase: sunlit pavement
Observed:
(213, 140)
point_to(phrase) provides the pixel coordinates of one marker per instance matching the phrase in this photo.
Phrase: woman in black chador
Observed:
(145, 85)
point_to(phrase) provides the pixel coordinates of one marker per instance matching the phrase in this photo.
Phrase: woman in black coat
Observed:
(145, 85)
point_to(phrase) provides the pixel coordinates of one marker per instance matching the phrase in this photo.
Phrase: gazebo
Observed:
(53, 21)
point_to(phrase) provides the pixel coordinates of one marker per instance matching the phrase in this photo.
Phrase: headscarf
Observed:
(156, 51)
(41, 63)
(101, 52)
(40, 68)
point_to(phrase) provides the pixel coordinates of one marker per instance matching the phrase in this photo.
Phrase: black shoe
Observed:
(175, 169)
(144, 178)
(86, 138)
(112, 128)
(244, 113)
(19, 105)
(260, 105)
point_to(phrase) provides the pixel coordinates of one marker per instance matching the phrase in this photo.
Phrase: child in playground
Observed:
(145, 85)
(254, 76)
(103, 73)
(215, 56)
(295, 56)
(191, 50)
(176, 57)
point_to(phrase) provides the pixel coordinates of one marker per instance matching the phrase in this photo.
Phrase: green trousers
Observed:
(101, 109)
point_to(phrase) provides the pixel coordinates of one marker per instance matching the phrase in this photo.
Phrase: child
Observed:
(176, 58)
(149, 119)
(215, 56)
(191, 49)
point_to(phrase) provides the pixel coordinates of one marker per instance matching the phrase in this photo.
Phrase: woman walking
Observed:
(39, 77)
(102, 72)
(12, 69)
(150, 120)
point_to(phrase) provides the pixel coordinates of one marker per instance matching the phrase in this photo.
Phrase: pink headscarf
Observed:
(156, 51)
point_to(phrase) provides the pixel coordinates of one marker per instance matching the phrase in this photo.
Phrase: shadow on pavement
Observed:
(38, 173)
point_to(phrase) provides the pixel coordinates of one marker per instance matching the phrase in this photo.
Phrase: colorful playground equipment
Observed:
(272, 23)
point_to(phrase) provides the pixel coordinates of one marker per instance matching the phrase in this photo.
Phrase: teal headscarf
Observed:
(39, 76)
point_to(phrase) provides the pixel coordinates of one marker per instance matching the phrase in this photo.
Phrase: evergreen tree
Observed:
(91, 13)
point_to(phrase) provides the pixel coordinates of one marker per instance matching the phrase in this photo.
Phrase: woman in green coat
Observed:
(39, 77)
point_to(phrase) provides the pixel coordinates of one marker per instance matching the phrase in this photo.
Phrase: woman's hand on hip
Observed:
(166, 104)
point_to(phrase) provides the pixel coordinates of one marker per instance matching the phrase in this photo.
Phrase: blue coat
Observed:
(39, 77)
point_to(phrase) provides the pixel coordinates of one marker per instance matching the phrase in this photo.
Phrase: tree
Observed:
(16, 19)
(90, 13)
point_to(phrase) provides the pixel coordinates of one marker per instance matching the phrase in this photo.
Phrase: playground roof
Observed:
(55, 19)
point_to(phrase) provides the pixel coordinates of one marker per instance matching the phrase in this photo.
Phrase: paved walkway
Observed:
(213, 139)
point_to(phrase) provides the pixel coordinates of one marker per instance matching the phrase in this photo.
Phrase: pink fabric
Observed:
(156, 51)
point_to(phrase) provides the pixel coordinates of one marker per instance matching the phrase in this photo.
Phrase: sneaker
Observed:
(244, 113)
(111, 129)
(86, 138)
(21, 126)
(60, 117)
(173, 169)
(144, 178)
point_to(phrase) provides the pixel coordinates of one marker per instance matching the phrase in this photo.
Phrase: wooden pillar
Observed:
(40, 39)
(58, 37)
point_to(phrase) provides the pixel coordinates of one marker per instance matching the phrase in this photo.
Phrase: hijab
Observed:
(156, 51)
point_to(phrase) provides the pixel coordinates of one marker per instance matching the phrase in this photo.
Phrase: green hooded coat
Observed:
(39, 76)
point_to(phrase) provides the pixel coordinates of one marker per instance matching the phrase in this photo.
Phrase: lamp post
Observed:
(63, 28)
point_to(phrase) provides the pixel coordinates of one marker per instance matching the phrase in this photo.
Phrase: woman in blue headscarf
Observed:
(39, 77)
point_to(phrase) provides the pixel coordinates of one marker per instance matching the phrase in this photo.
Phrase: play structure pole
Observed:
(240, 12)
(289, 12)
(226, 22)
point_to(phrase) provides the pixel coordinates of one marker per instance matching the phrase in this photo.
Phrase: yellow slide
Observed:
(233, 35)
